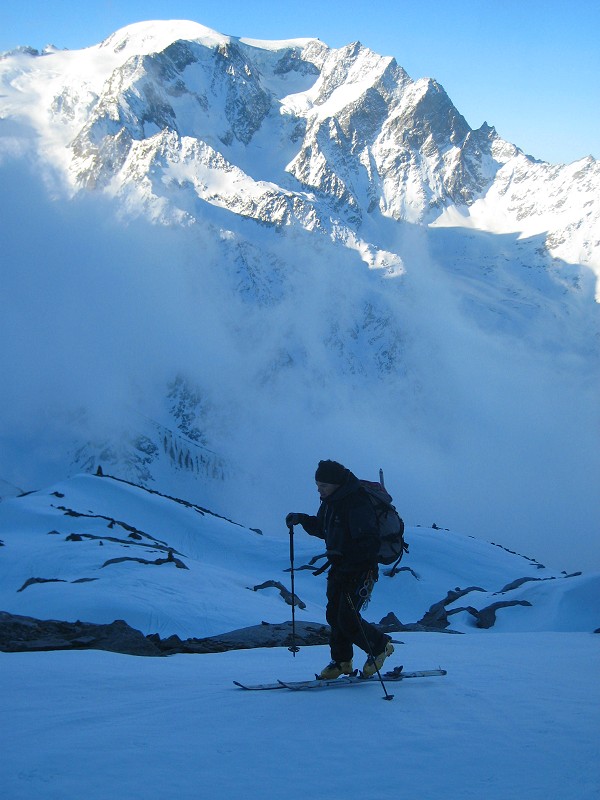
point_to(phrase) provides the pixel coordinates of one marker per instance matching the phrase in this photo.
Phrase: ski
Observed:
(396, 674)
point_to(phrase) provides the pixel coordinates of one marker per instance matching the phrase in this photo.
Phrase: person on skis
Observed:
(346, 521)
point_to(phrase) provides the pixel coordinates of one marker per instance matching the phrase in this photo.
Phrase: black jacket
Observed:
(346, 521)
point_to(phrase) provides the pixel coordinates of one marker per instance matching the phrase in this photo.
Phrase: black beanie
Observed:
(330, 472)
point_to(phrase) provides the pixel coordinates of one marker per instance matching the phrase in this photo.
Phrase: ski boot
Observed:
(334, 669)
(373, 664)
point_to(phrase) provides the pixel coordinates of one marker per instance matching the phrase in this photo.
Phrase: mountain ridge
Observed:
(422, 123)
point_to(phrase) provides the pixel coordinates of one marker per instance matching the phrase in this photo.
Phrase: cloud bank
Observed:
(489, 433)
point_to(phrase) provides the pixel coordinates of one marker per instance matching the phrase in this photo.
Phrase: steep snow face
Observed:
(559, 203)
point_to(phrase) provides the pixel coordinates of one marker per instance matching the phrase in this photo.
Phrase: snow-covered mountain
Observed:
(258, 254)
(288, 133)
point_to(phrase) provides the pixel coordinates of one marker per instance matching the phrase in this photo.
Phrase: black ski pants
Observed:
(347, 626)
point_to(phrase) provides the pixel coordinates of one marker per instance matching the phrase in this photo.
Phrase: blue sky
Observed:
(527, 67)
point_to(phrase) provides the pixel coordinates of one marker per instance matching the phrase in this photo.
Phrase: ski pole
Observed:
(369, 650)
(293, 649)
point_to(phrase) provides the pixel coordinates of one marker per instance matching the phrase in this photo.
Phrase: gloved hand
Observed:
(294, 518)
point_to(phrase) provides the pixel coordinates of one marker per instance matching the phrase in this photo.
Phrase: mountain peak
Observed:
(152, 36)
(155, 35)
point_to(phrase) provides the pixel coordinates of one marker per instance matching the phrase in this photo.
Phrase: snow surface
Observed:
(225, 560)
(151, 36)
(515, 717)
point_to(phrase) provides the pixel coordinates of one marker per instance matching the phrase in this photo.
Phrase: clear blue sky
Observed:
(528, 67)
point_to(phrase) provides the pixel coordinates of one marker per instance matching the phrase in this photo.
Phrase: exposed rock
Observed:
(389, 573)
(514, 553)
(437, 616)
(25, 634)
(390, 623)
(157, 562)
(32, 581)
(520, 581)
(515, 584)
(285, 593)
(137, 540)
(486, 617)
(312, 564)
(264, 635)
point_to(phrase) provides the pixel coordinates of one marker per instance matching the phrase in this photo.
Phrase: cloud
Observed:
(477, 429)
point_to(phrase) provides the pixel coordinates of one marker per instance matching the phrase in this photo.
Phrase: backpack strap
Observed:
(394, 569)
(322, 569)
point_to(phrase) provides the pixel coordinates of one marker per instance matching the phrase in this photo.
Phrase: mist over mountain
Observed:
(225, 259)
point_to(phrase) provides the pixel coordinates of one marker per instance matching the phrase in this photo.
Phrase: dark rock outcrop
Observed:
(24, 634)
(266, 634)
(486, 617)
(437, 616)
(391, 624)
(32, 581)
(156, 562)
(285, 593)
(20, 634)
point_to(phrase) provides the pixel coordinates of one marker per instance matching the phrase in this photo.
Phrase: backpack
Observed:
(390, 524)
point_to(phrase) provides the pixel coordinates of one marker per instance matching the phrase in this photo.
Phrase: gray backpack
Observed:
(390, 524)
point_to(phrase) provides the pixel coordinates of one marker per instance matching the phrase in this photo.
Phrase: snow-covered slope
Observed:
(103, 724)
(259, 254)
(516, 716)
(97, 549)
